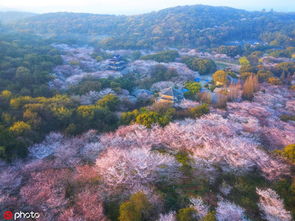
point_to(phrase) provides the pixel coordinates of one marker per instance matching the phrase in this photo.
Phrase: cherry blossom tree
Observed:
(46, 189)
(89, 205)
(68, 151)
(271, 206)
(226, 211)
(91, 168)
(212, 138)
(199, 205)
(134, 166)
(171, 216)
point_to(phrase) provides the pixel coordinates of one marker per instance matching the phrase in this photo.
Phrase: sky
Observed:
(130, 7)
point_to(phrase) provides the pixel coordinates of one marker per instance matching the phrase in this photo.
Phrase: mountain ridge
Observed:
(191, 26)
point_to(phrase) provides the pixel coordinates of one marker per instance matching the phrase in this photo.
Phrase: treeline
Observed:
(164, 56)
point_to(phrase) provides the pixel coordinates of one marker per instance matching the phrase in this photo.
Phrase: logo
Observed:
(8, 215)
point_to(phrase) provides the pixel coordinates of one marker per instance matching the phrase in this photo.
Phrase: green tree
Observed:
(23, 75)
(109, 101)
(85, 86)
(187, 214)
(209, 217)
(3, 152)
(244, 61)
(206, 66)
(128, 212)
(288, 152)
(129, 117)
(20, 128)
(193, 89)
(220, 78)
(6, 94)
(164, 56)
(231, 51)
(61, 113)
(137, 208)
(149, 118)
(161, 73)
(199, 110)
(95, 117)
(247, 66)
(203, 66)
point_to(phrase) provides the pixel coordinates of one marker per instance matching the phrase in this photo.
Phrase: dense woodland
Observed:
(186, 26)
(121, 157)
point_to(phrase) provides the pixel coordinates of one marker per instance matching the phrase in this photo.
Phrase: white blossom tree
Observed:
(271, 206)
(227, 211)
(171, 216)
(199, 205)
(211, 138)
(134, 166)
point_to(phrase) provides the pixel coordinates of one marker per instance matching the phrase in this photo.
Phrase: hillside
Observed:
(189, 26)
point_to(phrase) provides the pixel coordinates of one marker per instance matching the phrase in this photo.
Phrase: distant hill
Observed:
(183, 26)
(13, 16)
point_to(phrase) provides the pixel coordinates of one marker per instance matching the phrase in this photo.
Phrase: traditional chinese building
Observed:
(170, 95)
(117, 63)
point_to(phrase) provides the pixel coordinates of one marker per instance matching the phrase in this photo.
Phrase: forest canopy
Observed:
(184, 26)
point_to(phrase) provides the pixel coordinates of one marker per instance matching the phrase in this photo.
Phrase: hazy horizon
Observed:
(130, 7)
